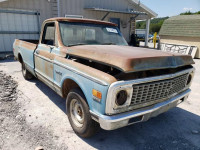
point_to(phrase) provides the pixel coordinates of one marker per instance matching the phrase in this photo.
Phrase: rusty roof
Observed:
(81, 20)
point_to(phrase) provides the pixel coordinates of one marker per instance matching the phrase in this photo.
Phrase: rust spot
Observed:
(28, 45)
(46, 54)
(48, 66)
(80, 20)
(129, 59)
(17, 42)
(67, 86)
(88, 70)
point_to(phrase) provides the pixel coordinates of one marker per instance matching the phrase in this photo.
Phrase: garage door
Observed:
(17, 24)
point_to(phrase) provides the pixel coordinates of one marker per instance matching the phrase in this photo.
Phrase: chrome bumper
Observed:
(128, 118)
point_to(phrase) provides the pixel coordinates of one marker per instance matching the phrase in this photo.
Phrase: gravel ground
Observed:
(14, 130)
(32, 115)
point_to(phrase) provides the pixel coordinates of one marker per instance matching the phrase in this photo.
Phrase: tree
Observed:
(190, 13)
(155, 24)
(186, 13)
(154, 28)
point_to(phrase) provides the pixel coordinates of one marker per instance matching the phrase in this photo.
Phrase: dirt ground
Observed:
(32, 115)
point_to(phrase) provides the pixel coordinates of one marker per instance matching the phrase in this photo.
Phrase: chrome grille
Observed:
(152, 91)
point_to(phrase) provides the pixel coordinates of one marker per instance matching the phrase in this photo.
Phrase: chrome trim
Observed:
(121, 120)
(110, 109)
(129, 90)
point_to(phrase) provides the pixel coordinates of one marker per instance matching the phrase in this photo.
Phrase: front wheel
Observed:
(26, 74)
(79, 115)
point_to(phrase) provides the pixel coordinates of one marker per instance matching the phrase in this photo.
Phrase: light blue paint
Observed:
(62, 72)
(27, 56)
(86, 85)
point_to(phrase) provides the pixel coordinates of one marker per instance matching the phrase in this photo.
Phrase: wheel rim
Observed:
(23, 69)
(77, 113)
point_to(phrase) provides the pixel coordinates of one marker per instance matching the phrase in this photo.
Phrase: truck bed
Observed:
(24, 51)
(30, 41)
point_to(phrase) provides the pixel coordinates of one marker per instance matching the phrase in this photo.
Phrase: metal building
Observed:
(22, 18)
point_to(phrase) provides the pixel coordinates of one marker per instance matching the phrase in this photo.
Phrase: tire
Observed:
(79, 115)
(26, 74)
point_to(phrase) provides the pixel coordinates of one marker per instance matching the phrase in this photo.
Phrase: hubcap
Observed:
(76, 112)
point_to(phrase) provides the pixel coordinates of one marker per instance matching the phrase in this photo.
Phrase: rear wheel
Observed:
(26, 74)
(79, 115)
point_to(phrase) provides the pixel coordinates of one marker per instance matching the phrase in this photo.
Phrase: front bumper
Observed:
(128, 118)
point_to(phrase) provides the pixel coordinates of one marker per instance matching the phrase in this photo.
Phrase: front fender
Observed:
(63, 72)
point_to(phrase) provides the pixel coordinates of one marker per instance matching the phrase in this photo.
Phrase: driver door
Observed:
(43, 57)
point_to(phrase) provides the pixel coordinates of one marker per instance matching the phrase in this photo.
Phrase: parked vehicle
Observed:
(151, 39)
(104, 81)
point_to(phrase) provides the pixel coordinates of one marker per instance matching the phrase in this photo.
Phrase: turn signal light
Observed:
(96, 94)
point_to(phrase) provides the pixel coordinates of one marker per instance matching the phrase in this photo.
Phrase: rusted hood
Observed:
(130, 59)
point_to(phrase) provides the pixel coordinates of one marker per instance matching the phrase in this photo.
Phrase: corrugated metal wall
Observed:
(42, 6)
(17, 25)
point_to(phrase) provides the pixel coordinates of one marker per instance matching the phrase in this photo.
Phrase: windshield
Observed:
(90, 34)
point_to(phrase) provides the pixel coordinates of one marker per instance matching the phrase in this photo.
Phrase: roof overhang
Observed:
(151, 12)
(116, 11)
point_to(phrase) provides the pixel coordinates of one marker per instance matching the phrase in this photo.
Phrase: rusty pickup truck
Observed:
(105, 82)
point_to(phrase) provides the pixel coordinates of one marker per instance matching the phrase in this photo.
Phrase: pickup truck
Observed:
(105, 82)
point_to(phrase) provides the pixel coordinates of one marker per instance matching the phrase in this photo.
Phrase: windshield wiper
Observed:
(69, 45)
(108, 44)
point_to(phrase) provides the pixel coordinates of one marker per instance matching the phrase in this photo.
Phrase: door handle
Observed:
(51, 47)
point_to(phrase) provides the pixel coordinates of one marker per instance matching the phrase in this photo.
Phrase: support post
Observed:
(38, 22)
(147, 32)
(58, 7)
(105, 16)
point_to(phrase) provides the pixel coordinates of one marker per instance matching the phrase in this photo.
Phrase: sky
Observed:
(172, 7)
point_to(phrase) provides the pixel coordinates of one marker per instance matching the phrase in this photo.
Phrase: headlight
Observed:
(121, 98)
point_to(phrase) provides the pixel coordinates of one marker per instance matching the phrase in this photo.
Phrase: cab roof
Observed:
(81, 20)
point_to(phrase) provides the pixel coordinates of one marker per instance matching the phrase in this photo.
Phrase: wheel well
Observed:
(67, 86)
(20, 58)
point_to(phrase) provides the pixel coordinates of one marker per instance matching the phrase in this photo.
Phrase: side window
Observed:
(90, 34)
(48, 36)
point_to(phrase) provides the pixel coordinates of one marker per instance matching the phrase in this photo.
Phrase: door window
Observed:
(49, 34)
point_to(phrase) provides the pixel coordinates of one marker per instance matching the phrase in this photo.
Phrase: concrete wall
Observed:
(192, 41)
